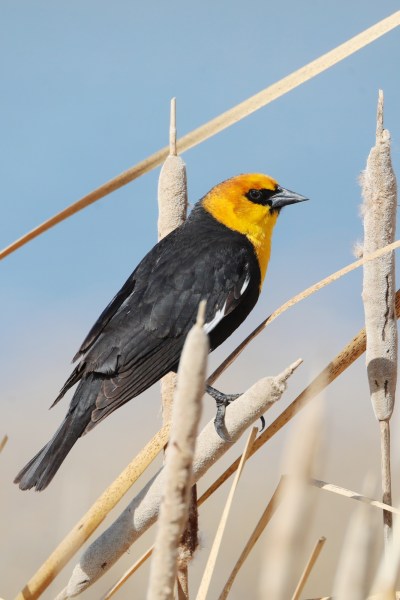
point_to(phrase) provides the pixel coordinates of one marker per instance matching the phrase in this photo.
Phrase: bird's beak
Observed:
(283, 197)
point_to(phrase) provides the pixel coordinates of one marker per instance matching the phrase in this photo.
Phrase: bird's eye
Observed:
(255, 194)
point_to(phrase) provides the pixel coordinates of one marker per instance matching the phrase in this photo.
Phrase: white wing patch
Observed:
(219, 315)
(245, 285)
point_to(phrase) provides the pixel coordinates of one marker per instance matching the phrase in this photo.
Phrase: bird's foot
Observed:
(223, 400)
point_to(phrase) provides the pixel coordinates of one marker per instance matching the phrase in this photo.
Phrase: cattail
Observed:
(186, 414)
(142, 511)
(379, 190)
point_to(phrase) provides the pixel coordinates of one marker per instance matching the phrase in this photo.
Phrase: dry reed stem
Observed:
(386, 477)
(353, 350)
(351, 579)
(3, 442)
(319, 544)
(295, 300)
(288, 535)
(128, 574)
(182, 583)
(172, 129)
(212, 559)
(379, 190)
(226, 119)
(172, 209)
(341, 491)
(384, 585)
(142, 512)
(178, 471)
(254, 537)
(172, 188)
(93, 518)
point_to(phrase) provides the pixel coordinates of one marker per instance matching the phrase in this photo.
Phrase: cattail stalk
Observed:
(316, 551)
(96, 514)
(143, 510)
(174, 509)
(379, 191)
(172, 209)
(212, 559)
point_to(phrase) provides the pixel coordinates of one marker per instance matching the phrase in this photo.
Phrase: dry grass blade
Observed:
(92, 519)
(212, 559)
(226, 119)
(3, 442)
(253, 539)
(127, 574)
(386, 577)
(335, 489)
(309, 567)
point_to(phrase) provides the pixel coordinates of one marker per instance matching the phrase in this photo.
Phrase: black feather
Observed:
(139, 336)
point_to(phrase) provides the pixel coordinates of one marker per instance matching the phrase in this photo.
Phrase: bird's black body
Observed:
(139, 336)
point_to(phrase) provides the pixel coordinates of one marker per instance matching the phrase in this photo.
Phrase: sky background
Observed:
(85, 94)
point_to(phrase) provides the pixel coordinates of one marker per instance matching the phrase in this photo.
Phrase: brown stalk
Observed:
(3, 442)
(254, 537)
(309, 567)
(93, 518)
(212, 559)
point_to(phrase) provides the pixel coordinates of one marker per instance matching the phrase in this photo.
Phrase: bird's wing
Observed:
(107, 315)
(125, 293)
(143, 341)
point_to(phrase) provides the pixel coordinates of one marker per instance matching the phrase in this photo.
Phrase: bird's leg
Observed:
(223, 400)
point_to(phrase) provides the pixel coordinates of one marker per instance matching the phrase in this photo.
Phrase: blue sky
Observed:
(85, 94)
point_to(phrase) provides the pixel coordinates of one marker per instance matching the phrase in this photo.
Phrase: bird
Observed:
(219, 254)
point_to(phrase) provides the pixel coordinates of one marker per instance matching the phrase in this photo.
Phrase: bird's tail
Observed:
(41, 469)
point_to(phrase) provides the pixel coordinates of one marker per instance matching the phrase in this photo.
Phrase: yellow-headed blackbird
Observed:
(219, 254)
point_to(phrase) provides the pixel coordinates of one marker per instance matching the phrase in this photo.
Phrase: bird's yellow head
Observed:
(250, 204)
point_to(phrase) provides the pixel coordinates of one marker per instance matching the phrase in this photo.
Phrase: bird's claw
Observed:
(219, 422)
(262, 423)
(222, 401)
